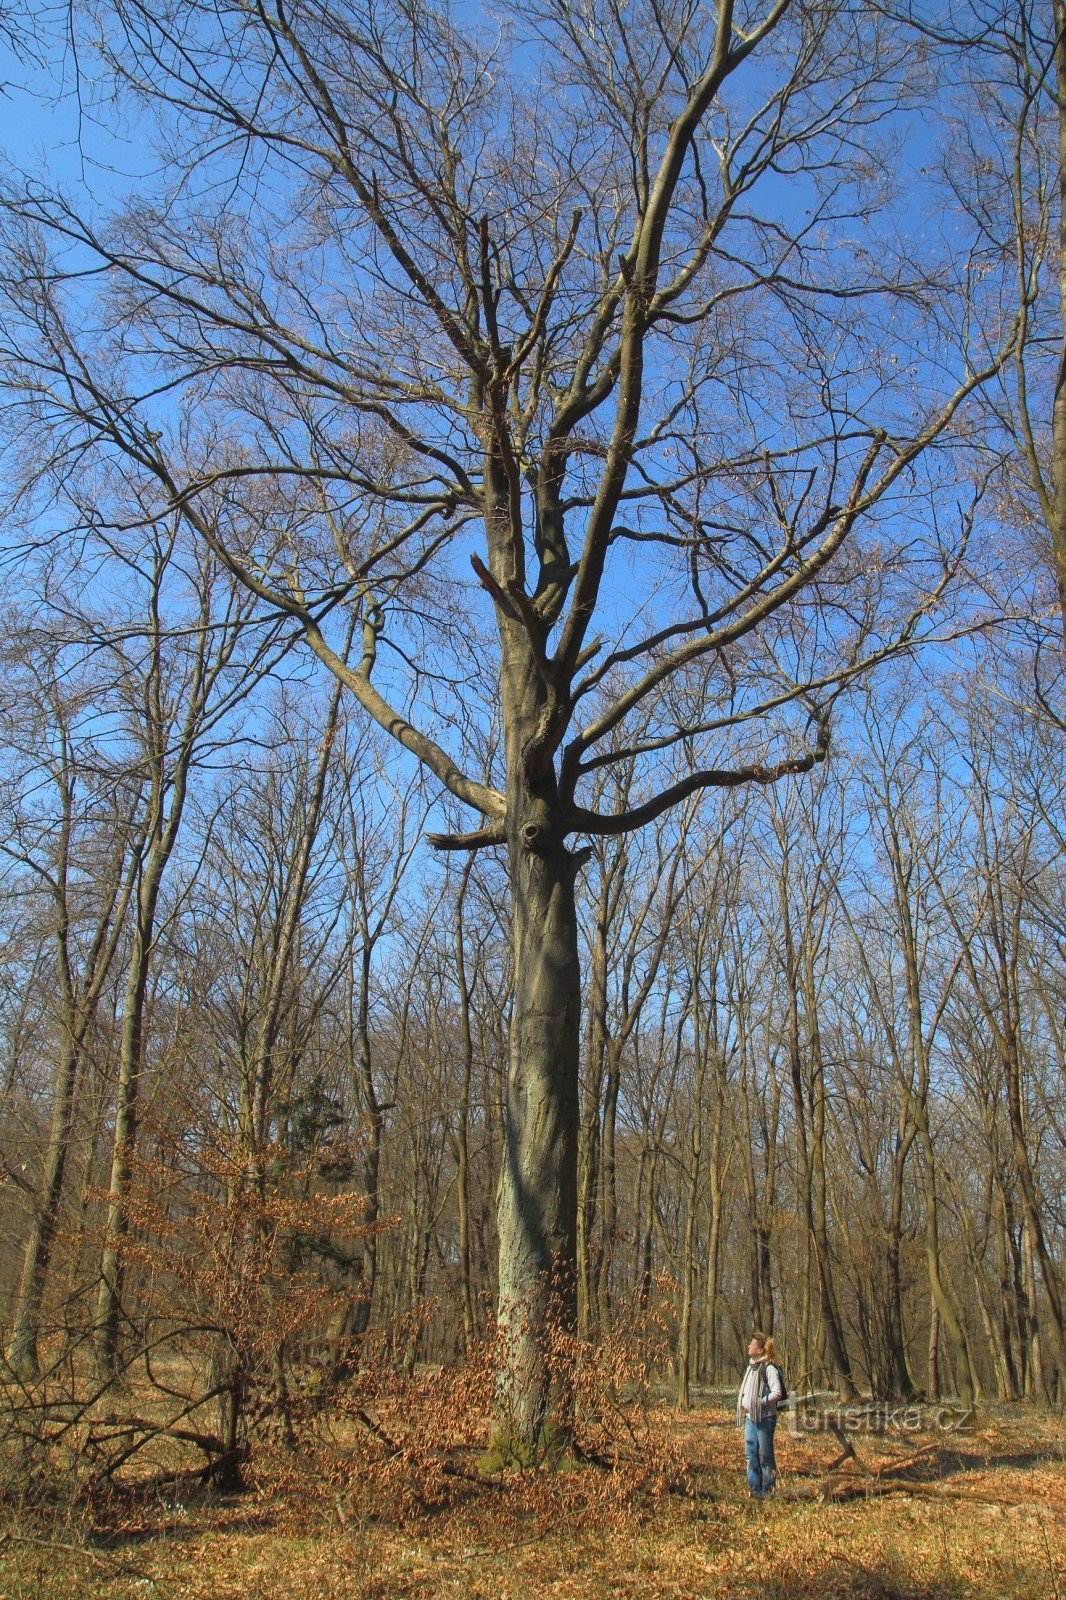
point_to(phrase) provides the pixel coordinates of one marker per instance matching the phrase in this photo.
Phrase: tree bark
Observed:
(948, 1319)
(609, 1185)
(21, 1353)
(80, 996)
(831, 1318)
(462, 1163)
(537, 1207)
(590, 1165)
(1030, 1193)
(688, 1271)
(933, 1381)
(109, 1297)
(716, 1185)
(810, 1160)
(688, 1252)
(902, 1382)
(1058, 422)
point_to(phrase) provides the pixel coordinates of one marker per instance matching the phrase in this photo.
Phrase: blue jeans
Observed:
(759, 1453)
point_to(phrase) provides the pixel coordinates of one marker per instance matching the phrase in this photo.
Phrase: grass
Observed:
(981, 1516)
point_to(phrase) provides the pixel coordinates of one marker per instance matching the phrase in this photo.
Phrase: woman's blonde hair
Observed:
(766, 1345)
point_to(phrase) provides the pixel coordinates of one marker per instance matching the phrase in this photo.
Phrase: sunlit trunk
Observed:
(1058, 424)
(538, 1183)
(131, 1050)
(22, 1346)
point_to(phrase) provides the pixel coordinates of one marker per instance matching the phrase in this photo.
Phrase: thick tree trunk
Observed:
(538, 1183)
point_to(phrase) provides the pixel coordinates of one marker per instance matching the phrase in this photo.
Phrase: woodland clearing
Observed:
(972, 1514)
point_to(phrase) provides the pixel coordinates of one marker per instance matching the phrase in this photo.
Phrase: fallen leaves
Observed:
(978, 1525)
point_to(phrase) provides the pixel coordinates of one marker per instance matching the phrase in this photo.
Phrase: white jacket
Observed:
(761, 1391)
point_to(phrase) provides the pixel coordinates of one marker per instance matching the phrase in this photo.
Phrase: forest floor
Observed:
(978, 1514)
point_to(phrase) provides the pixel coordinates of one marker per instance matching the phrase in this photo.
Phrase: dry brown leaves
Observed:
(319, 1525)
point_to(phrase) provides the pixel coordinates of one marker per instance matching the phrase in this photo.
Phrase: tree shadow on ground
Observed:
(945, 1463)
(176, 1530)
(856, 1581)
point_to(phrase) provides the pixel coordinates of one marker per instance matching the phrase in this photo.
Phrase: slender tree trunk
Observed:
(230, 1372)
(646, 1232)
(948, 1320)
(638, 1210)
(1058, 425)
(811, 1178)
(688, 1256)
(79, 1002)
(947, 1317)
(684, 1321)
(372, 1158)
(1004, 1385)
(22, 1346)
(1002, 1009)
(96, 1098)
(976, 1254)
(902, 1382)
(806, 1360)
(714, 1251)
(1030, 1196)
(462, 1174)
(933, 1384)
(1038, 1384)
(1009, 1298)
(590, 1166)
(834, 1325)
(109, 1298)
(609, 1185)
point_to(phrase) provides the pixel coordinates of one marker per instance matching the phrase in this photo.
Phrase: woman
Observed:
(761, 1393)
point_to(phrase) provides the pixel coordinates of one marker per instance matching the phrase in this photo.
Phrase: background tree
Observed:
(180, 681)
(77, 835)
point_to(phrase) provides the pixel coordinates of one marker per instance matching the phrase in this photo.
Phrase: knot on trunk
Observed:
(536, 836)
(537, 833)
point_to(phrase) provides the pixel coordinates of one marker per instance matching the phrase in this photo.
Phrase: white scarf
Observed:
(752, 1390)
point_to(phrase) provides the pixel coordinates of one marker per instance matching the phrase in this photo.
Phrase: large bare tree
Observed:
(605, 306)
